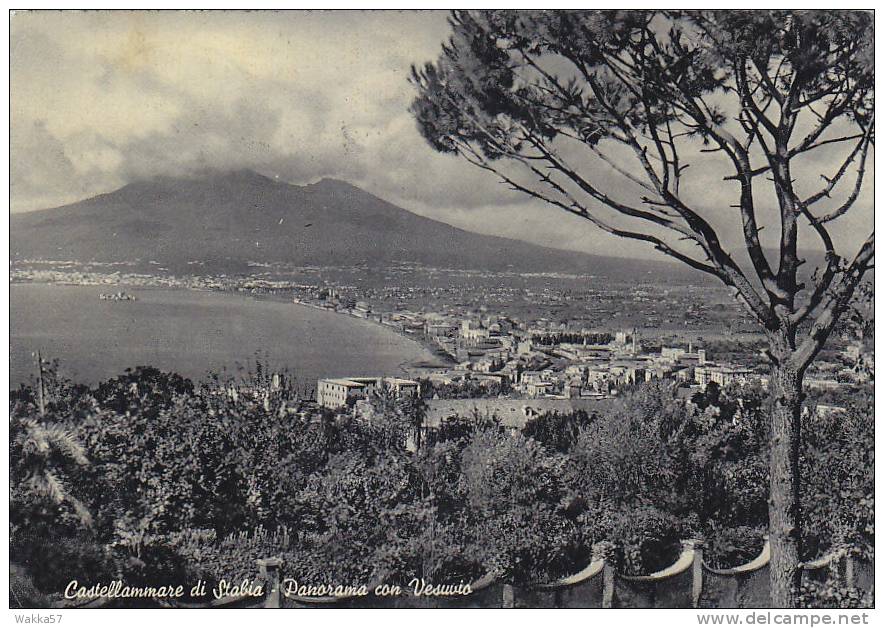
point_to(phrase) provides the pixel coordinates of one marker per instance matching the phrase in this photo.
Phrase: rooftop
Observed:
(354, 382)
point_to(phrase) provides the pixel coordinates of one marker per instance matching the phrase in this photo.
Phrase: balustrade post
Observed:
(607, 585)
(509, 596)
(269, 570)
(849, 571)
(696, 572)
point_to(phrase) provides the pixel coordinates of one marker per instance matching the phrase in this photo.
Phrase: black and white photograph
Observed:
(442, 309)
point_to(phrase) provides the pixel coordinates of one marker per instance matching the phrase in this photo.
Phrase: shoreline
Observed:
(422, 341)
(132, 288)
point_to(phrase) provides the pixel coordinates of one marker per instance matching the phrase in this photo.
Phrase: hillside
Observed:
(226, 220)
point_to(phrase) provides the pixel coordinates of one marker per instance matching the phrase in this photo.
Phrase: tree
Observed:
(42, 455)
(45, 454)
(43, 500)
(561, 104)
(514, 487)
(557, 431)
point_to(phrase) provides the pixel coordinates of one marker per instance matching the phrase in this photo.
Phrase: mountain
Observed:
(225, 220)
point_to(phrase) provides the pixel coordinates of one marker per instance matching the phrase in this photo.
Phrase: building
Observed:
(474, 336)
(722, 375)
(625, 342)
(827, 410)
(677, 354)
(853, 351)
(524, 347)
(337, 393)
(401, 387)
(537, 389)
(439, 329)
(818, 383)
(572, 390)
(673, 354)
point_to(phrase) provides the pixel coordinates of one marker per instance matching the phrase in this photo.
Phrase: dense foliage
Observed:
(581, 338)
(150, 477)
(465, 389)
(605, 114)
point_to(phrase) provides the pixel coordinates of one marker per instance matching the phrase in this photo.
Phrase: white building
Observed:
(677, 354)
(722, 375)
(335, 393)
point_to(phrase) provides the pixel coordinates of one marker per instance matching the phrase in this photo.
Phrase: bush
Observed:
(833, 595)
(838, 472)
(729, 547)
(53, 560)
(23, 593)
(513, 488)
(558, 432)
(642, 540)
(150, 477)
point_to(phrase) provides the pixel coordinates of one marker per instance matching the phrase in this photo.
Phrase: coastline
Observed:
(423, 351)
(202, 284)
(445, 359)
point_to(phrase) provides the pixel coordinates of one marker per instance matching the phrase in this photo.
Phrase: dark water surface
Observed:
(191, 333)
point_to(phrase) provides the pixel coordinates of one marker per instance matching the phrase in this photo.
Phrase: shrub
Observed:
(171, 474)
(513, 486)
(727, 547)
(833, 595)
(557, 431)
(643, 540)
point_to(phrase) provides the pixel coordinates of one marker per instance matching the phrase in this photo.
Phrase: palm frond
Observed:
(66, 443)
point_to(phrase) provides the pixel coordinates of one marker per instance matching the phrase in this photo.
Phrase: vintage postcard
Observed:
(442, 309)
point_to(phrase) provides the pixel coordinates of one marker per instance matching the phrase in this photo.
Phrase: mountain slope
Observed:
(226, 220)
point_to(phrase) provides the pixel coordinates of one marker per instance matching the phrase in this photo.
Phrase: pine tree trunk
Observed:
(784, 507)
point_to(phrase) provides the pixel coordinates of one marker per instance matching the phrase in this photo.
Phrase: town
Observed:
(515, 351)
(488, 362)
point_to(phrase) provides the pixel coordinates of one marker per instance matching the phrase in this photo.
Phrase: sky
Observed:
(101, 99)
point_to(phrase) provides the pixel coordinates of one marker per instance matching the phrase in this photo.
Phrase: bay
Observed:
(193, 332)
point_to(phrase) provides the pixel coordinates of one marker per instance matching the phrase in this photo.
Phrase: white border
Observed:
(386, 618)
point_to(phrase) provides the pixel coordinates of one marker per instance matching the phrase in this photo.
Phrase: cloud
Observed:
(48, 174)
(297, 95)
(100, 99)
